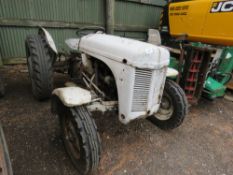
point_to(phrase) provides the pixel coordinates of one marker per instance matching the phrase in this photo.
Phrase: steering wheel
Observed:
(89, 29)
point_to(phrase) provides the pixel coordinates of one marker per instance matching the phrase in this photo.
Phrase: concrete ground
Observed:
(202, 145)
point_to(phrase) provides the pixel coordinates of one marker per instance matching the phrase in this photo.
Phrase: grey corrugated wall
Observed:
(18, 18)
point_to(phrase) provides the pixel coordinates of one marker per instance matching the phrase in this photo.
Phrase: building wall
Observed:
(63, 17)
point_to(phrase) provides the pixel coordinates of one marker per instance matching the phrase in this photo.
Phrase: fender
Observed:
(49, 39)
(171, 72)
(73, 96)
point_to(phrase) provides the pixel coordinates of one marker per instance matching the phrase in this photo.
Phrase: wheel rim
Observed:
(71, 138)
(166, 108)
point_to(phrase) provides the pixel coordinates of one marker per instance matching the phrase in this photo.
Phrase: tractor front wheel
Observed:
(173, 107)
(81, 139)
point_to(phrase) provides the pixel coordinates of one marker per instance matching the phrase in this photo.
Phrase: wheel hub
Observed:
(166, 108)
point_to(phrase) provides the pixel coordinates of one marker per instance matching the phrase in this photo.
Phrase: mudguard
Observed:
(73, 96)
(49, 39)
(171, 72)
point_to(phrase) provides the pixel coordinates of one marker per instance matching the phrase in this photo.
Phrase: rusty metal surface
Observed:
(230, 85)
(195, 71)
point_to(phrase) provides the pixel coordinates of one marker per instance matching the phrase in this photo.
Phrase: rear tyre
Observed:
(81, 139)
(40, 66)
(173, 107)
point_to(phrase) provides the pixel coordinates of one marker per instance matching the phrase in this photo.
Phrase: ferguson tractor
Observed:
(108, 73)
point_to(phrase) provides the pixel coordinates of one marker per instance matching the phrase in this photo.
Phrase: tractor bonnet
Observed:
(132, 52)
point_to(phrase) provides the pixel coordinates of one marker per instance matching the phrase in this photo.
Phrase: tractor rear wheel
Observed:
(173, 107)
(40, 66)
(81, 139)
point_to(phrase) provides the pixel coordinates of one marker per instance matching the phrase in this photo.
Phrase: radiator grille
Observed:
(141, 89)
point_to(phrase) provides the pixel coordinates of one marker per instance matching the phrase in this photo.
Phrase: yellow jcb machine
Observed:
(208, 21)
(202, 30)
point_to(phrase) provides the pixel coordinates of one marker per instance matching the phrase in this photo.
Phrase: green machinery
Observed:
(217, 72)
(215, 84)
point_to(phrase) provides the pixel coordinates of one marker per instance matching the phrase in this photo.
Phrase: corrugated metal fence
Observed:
(63, 17)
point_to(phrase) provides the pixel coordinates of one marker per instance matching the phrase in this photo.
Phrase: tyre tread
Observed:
(181, 110)
(90, 137)
(42, 67)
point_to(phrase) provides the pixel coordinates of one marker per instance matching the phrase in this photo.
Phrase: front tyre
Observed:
(81, 139)
(173, 107)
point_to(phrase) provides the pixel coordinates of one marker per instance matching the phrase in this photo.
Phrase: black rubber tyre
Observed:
(2, 88)
(81, 139)
(173, 108)
(40, 66)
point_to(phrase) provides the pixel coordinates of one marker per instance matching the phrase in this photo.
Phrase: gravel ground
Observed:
(202, 145)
